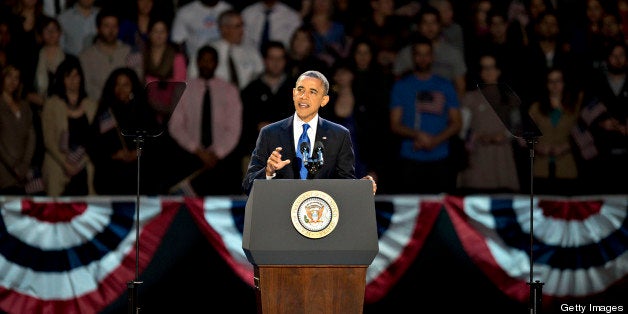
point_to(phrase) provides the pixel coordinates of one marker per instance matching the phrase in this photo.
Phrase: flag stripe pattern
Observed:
(77, 255)
(579, 247)
(73, 255)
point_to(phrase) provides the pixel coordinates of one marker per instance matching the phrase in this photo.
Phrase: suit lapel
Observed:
(287, 136)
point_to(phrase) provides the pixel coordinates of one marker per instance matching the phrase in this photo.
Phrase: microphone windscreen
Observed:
(319, 146)
(304, 147)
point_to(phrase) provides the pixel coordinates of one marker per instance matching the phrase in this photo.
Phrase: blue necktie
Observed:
(303, 139)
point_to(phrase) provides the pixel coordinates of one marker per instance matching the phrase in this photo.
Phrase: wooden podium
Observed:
(310, 242)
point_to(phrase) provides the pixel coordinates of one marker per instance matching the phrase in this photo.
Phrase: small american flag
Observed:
(35, 183)
(430, 102)
(107, 122)
(76, 156)
(585, 142)
(589, 114)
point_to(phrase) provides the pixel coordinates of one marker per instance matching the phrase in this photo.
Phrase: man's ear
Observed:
(325, 100)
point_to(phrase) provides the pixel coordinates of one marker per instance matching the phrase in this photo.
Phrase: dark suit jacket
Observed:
(339, 160)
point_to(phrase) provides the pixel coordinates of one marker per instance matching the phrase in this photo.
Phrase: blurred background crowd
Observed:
(72, 70)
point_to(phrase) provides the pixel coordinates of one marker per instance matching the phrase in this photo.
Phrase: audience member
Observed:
(8, 49)
(267, 20)
(603, 133)
(49, 57)
(331, 41)
(238, 62)
(114, 155)
(196, 24)
(17, 134)
(451, 30)
(30, 16)
(448, 60)
(66, 116)
(546, 51)
(207, 124)
(78, 25)
(610, 33)
(106, 54)
(342, 107)
(387, 31)
(134, 26)
(555, 113)
(160, 59)
(371, 85)
(424, 113)
(524, 15)
(266, 99)
(492, 166)
(476, 22)
(51, 54)
(301, 55)
(500, 42)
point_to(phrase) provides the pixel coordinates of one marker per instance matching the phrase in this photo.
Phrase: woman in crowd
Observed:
(492, 166)
(66, 117)
(556, 114)
(113, 154)
(29, 14)
(17, 134)
(50, 56)
(160, 60)
(301, 55)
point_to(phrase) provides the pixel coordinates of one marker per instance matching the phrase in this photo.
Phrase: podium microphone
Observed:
(316, 163)
(304, 148)
(319, 148)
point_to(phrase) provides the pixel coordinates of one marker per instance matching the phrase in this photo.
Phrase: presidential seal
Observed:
(314, 214)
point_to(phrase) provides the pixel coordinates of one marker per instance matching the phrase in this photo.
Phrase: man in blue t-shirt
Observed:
(424, 113)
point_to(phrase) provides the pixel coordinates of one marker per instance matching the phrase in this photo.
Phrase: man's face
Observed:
(108, 30)
(430, 26)
(308, 96)
(206, 65)
(87, 4)
(275, 61)
(617, 63)
(233, 30)
(422, 57)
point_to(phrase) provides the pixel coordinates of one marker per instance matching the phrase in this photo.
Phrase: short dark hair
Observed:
(207, 49)
(422, 40)
(271, 44)
(316, 75)
(226, 14)
(103, 13)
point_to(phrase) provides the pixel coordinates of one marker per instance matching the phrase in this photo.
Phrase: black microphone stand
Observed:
(132, 286)
(150, 120)
(505, 103)
(536, 286)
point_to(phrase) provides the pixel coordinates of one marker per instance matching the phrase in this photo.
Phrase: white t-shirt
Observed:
(196, 25)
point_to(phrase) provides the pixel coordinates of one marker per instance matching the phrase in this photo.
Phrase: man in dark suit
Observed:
(278, 140)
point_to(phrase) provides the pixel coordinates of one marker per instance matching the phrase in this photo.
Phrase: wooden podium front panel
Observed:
(316, 289)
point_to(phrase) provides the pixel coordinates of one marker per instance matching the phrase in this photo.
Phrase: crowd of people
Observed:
(435, 93)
